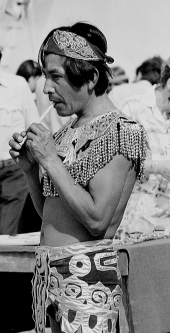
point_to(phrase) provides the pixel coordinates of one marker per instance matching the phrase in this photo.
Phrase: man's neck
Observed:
(99, 105)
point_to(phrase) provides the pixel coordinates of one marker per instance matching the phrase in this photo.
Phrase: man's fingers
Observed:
(14, 145)
(23, 141)
(14, 153)
(18, 137)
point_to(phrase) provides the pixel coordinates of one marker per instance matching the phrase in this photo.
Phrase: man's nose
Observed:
(48, 87)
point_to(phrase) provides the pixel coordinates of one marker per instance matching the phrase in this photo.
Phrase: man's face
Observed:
(67, 98)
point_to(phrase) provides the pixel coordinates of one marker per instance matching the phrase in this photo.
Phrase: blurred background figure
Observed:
(118, 77)
(31, 71)
(150, 200)
(17, 112)
(150, 70)
(147, 74)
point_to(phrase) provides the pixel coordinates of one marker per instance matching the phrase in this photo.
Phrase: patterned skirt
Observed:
(80, 286)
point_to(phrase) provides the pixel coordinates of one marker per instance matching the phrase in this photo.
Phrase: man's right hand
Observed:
(21, 154)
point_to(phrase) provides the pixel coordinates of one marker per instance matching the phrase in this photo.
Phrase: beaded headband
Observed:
(72, 45)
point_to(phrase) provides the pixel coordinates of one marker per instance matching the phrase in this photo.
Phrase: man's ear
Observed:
(92, 83)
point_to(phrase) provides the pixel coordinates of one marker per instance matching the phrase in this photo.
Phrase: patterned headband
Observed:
(74, 46)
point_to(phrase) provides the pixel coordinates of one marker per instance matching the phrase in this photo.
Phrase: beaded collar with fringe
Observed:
(87, 149)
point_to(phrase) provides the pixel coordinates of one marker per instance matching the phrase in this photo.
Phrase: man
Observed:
(90, 170)
(152, 110)
(17, 112)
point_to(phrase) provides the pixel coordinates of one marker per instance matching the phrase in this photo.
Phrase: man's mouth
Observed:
(57, 102)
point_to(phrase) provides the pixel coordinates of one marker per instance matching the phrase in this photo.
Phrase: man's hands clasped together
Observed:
(38, 148)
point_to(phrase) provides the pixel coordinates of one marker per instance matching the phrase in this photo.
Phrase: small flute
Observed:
(39, 121)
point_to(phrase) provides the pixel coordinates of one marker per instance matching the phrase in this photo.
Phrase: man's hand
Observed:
(22, 155)
(41, 144)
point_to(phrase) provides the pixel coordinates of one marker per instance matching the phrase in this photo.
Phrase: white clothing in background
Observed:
(17, 109)
(119, 93)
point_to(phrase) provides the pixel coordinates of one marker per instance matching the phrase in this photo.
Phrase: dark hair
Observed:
(119, 75)
(150, 70)
(78, 71)
(29, 68)
(165, 72)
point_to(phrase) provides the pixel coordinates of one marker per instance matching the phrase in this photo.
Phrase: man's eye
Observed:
(56, 77)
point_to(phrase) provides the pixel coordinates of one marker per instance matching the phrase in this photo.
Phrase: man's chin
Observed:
(60, 110)
(58, 107)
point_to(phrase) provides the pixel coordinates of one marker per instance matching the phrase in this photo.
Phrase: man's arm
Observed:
(35, 187)
(31, 115)
(30, 167)
(96, 207)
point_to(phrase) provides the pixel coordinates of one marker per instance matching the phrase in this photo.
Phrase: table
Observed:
(145, 270)
(148, 286)
(17, 258)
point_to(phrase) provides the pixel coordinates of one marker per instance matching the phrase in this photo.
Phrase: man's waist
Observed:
(65, 251)
(6, 163)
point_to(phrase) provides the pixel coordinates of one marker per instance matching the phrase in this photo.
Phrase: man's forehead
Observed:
(53, 63)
